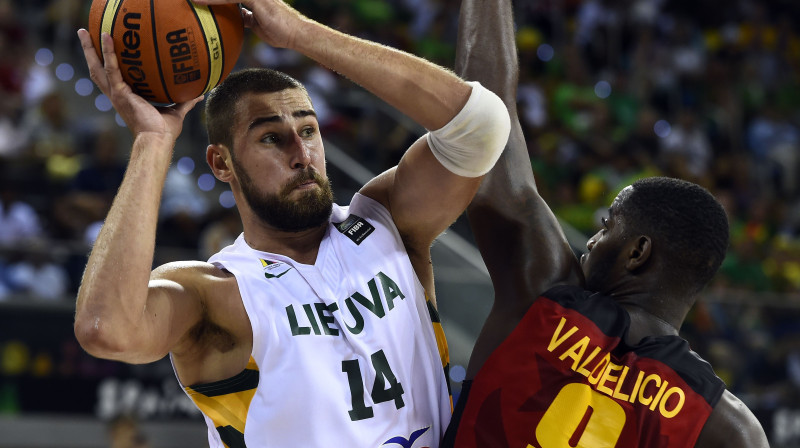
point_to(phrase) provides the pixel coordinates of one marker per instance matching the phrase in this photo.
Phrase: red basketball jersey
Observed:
(566, 378)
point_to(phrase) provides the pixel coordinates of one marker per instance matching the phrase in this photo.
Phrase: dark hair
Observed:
(221, 101)
(688, 226)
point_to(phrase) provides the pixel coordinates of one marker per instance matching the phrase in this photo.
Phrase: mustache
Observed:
(303, 177)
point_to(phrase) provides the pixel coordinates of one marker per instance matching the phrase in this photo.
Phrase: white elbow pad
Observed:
(470, 144)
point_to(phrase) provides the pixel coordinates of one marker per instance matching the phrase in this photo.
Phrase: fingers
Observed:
(110, 63)
(92, 60)
(183, 108)
(246, 9)
(104, 73)
(248, 19)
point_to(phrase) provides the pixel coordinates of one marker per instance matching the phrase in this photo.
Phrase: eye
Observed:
(604, 221)
(307, 132)
(270, 139)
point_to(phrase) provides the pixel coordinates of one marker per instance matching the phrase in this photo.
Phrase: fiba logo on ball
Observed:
(169, 51)
(181, 52)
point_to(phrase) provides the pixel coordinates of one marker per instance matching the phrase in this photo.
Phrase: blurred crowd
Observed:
(610, 91)
(706, 91)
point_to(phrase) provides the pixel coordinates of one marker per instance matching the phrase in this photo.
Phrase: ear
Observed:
(639, 252)
(218, 158)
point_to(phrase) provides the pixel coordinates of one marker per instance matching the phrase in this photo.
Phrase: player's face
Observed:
(604, 263)
(280, 161)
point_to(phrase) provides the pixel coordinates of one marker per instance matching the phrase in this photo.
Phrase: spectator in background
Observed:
(220, 232)
(775, 143)
(19, 222)
(13, 139)
(12, 77)
(183, 210)
(53, 138)
(125, 432)
(101, 174)
(641, 144)
(63, 17)
(791, 226)
(13, 39)
(686, 152)
(37, 272)
(743, 268)
(91, 190)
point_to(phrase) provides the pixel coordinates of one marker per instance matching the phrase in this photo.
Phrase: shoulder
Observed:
(568, 294)
(364, 206)
(603, 309)
(365, 216)
(732, 424)
(378, 188)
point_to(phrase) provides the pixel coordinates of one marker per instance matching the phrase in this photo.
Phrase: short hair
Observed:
(689, 227)
(222, 100)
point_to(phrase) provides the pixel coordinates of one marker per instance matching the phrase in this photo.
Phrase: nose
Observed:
(301, 154)
(590, 244)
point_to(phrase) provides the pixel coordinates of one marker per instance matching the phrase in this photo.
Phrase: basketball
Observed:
(169, 51)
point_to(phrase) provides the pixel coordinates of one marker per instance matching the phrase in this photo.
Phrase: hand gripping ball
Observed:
(169, 51)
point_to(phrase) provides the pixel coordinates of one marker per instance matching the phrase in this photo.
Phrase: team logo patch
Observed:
(355, 227)
(409, 442)
(274, 269)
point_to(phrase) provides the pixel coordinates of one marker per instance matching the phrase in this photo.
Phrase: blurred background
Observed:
(705, 90)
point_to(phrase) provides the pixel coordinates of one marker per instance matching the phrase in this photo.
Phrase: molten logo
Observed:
(131, 56)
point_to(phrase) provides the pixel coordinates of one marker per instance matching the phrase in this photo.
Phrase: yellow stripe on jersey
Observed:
(212, 37)
(441, 343)
(227, 402)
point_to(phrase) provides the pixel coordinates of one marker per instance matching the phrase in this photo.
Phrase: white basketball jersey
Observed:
(344, 351)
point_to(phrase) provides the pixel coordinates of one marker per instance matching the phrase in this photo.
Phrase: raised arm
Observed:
(422, 195)
(117, 315)
(520, 239)
(428, 94)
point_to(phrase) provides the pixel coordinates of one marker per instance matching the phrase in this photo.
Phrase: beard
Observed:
(599, 275)
(602, 271)
(311, 209)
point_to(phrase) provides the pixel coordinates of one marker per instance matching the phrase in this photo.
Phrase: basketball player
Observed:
(313, 328)
(587, 354)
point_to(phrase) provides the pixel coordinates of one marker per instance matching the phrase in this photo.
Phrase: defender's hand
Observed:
(140, 116)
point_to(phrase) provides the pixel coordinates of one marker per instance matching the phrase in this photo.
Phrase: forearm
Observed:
(427, 93)
(113, 293)
(512, 224)
(486, 52)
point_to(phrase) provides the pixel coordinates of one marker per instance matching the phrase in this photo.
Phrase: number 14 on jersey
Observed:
(385, 388)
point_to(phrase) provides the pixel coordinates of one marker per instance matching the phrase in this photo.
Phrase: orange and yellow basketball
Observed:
(169, 51)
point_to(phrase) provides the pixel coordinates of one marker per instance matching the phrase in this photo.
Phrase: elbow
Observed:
(92, 336)
(472, 142)
(101, 338)
(117, 340)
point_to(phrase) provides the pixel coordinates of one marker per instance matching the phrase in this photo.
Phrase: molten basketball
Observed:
(169, 51)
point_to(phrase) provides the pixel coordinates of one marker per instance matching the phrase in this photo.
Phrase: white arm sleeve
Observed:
(470, 144)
